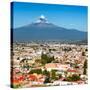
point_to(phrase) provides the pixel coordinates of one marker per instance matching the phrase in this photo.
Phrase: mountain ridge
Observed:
(43, 30)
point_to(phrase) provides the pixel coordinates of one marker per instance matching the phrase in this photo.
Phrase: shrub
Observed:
(73, 78)
(38, 71)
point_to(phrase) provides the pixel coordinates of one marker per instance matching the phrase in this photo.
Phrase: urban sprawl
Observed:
(48, 64)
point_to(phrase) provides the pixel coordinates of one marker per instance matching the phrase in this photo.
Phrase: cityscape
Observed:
(49, 64)
(44, 54)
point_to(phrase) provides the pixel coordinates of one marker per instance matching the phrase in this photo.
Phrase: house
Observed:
(57, 66)
(32, 77)
(36, 79)
(70, 72)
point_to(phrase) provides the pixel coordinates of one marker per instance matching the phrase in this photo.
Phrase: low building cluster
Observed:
(37, 64)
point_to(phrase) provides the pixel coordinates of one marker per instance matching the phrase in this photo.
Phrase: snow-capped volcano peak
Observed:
(42, 19)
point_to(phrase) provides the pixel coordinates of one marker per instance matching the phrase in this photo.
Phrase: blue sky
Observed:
(62, 15)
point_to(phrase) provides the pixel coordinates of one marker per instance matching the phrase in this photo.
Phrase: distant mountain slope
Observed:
(46, 31)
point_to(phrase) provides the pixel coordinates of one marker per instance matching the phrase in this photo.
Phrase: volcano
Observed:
(43, 30)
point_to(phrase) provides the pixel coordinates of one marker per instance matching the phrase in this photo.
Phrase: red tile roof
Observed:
(71, 70)
(32, 77)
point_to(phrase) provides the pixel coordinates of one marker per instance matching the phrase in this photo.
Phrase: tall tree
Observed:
(85, 67)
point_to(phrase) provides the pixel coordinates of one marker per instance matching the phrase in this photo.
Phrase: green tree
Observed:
(53, 75)
(84, 71)
(46, 58)
(47, 80)
(38, 71)
(85, 64)
(74, 77)
(60, 75)
(45, 72)
(85, 67)
(83, 53)
(38, 60)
